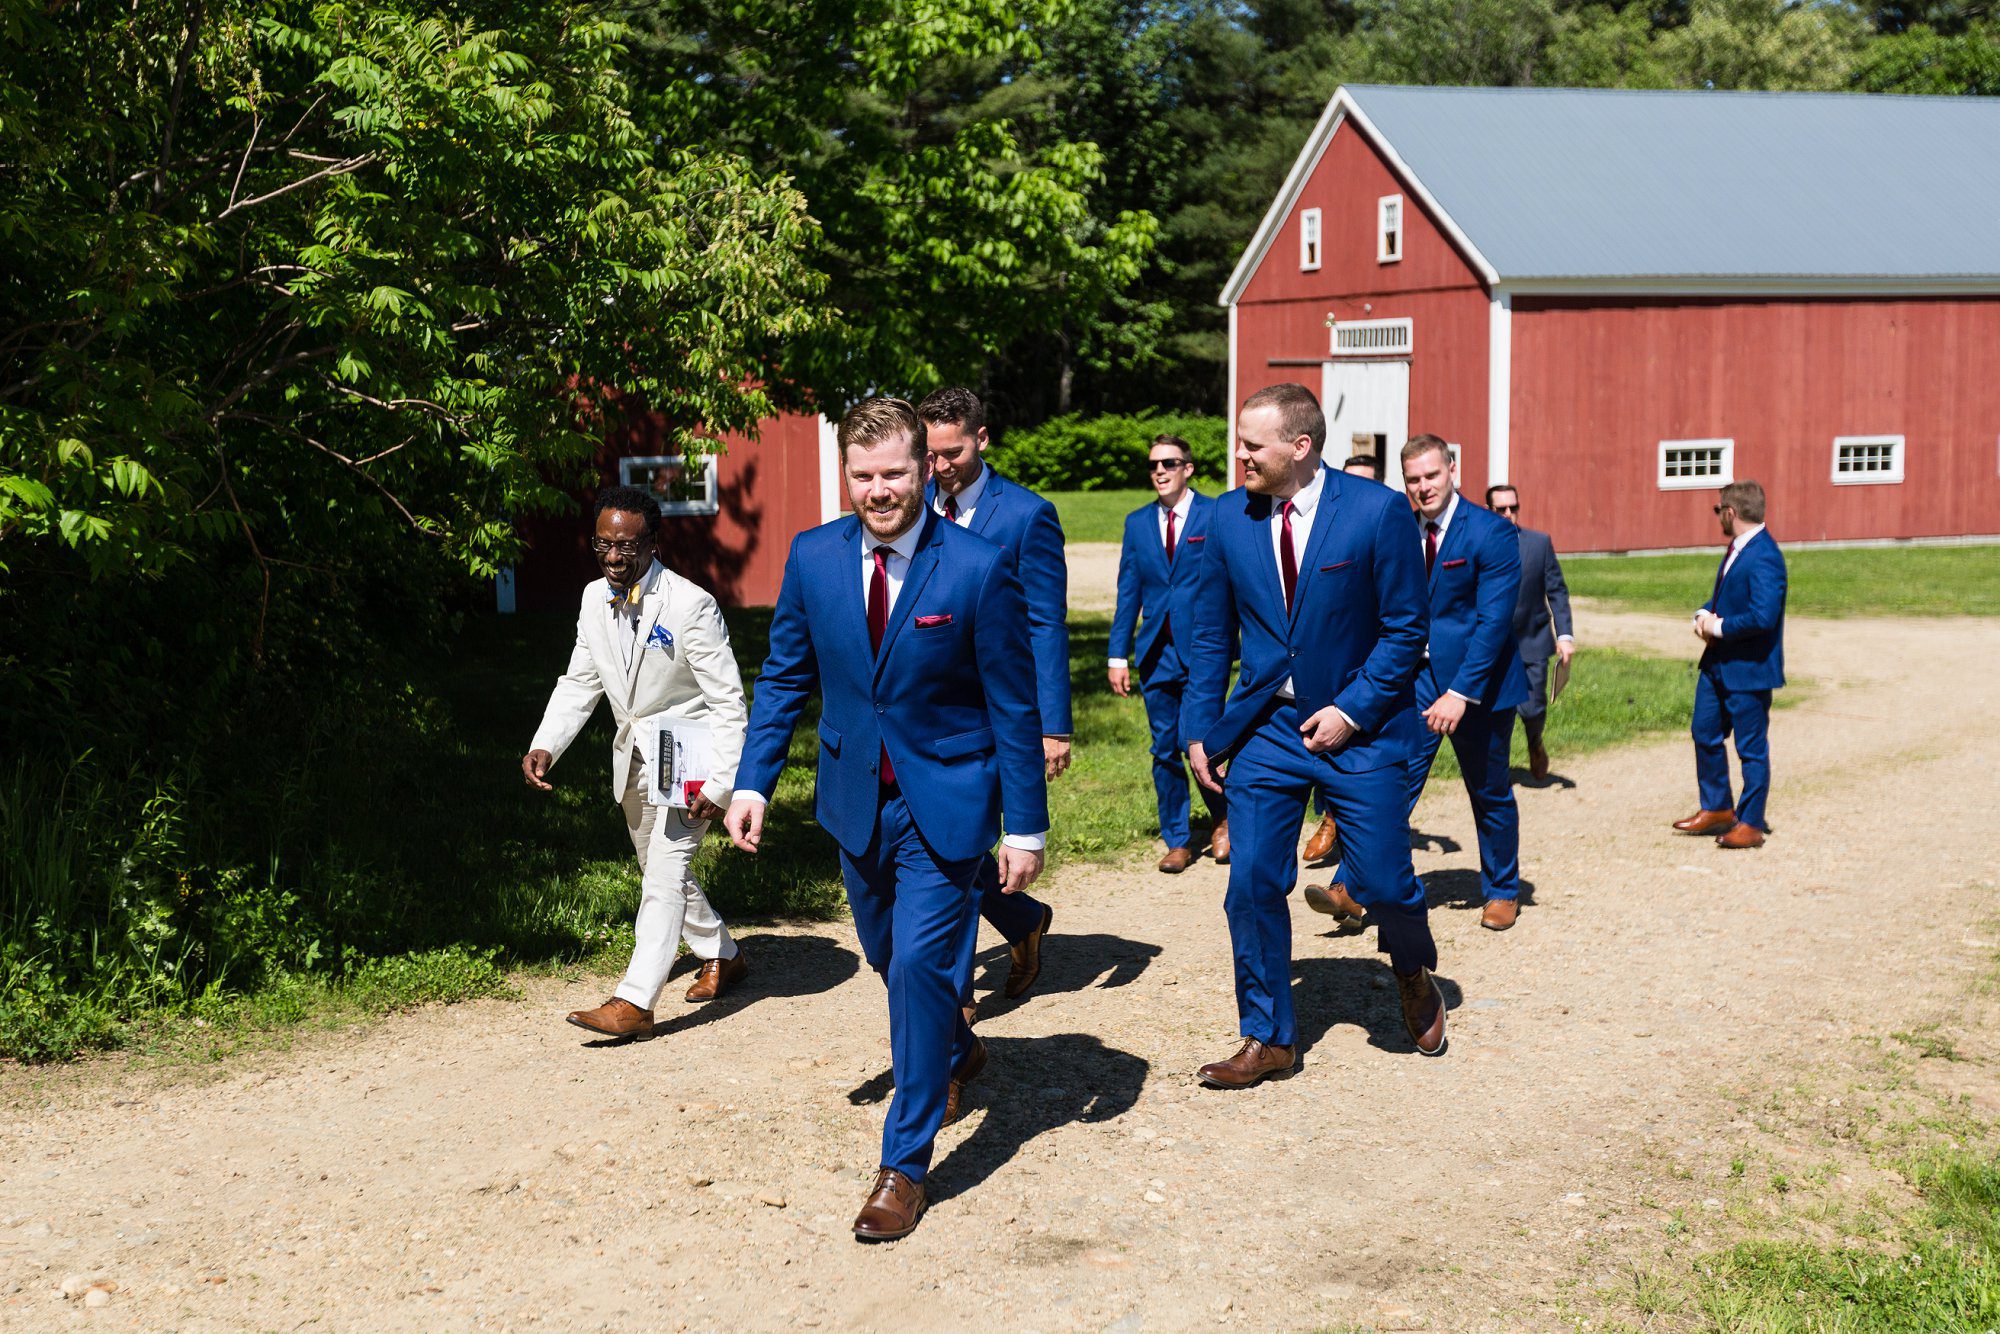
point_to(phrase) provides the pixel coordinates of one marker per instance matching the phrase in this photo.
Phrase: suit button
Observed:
(878, 708)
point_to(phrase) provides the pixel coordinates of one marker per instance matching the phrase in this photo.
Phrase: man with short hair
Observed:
(1316, 572)
(913, 634)
(1363, 465)
(1743, 626)
(965, 492)
(1471, 679)
(1542, 627)
(655, 646)
(1159, 570)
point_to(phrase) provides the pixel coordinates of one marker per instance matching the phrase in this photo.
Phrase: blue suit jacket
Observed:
(1541, 613)
(1750, 599)
(1474, 584)
(1156, 601)
(948, 694)
(1024, 525)
(1354, 638)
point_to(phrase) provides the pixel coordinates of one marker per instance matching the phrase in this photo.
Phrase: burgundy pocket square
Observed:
(1454, 564)
(926, 622)
(1337, 565)
(1202, 538)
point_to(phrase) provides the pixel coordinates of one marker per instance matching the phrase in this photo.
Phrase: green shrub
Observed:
(425, 977)
(1077, 453)
(39, 1021)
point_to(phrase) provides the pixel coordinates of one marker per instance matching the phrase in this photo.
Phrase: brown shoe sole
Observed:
(645, 1032)
(1285, 1073)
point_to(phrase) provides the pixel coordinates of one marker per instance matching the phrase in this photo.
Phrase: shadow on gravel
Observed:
(1458, 887)
(1069, 963)
(779, 966)
(1355, 991)
(1032, 1086)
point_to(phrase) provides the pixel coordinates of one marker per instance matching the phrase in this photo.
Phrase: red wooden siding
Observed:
(1599, 383)
(767, 489)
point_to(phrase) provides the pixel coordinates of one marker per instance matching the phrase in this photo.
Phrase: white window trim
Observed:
(1889, 478)
(1383, 230)
(633, 470)
(1312, 239)
(1727, 476)
(1405, 346)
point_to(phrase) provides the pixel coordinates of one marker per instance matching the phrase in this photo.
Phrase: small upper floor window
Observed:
(1309, 239)
(681, 484)
(1389, 229)
(1692, 465)
(1862, 460)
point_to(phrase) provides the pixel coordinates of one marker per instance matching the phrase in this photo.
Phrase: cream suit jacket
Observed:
(689, 672)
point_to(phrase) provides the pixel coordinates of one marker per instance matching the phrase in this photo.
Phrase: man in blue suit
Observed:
(1743, 625)
(913, 633)
(1318, 575)
(966, 492)
(1159, 571)
(1542, 626)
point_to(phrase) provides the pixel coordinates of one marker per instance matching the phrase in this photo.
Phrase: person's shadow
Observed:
(1360, 991)
(1522, 778)
(1458, 887)
(1069, 963)
(1032, 1086)
(1419, 842)
(779, 966)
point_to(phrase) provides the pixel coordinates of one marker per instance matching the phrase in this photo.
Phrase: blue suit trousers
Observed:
(1719, 711)
(1481, 742)
(1162, 696)
(918, 927)
(1269, 781)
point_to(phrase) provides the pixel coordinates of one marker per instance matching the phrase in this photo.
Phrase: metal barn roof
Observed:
(1570, 185)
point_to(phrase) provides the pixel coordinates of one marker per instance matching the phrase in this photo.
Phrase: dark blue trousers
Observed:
(916, 919)
(1481, 742)
(1162, 695)
(1719, 711)
(1269, 781)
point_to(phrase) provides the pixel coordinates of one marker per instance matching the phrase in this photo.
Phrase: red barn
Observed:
(1619, 300)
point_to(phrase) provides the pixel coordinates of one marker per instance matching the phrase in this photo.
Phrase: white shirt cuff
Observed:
(1344, 718)
(1718, 627)
(1027, 842)
(1467, 698)
(758, 798)
(1565, 639)
(1118, 662)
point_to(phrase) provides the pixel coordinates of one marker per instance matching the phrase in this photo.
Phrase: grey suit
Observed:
(1540, 615)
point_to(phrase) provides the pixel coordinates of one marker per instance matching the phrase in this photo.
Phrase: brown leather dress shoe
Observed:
(1706, 822)
(1025, 958)
(893, 1208)
(1253, 1061)
(954, 1096)
(718, 975)
(1538, 764)
(1423, 1010)
(1334, 901)
(1176, 860)
(1742, 836)
(1500, 914)
(616, 1018)
(1323, 839)
(1218, 843)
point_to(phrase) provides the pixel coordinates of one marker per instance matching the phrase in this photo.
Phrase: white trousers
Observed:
(671, 904)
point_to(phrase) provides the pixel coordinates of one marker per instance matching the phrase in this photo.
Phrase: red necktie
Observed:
(1170, 537)
(1288, 561)
(878, 626)
(951, 509)
(1430, 545)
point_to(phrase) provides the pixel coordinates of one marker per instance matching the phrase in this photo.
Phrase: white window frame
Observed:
(1889, 477)
(1383, 231)
(1380, 338)
(634, 470)
(1703, 483)
(1312, 245)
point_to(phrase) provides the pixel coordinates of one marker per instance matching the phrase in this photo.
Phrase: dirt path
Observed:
(479, 1166)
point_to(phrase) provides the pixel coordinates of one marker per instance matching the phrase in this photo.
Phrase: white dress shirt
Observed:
(896, 565)
(968, 499)
(1735, 547)
(622, 614)
(1443, 521)
(1181, 509)
(1305, 507)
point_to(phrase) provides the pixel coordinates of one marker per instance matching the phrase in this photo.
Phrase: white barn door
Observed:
(1367, 405)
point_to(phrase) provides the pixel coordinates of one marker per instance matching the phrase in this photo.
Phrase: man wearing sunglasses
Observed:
(1542, 627)
(1159, 573)
(655, 646)
(1743, 626)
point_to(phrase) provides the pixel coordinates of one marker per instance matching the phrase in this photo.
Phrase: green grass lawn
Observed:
(1098, 516)
(1861, 581)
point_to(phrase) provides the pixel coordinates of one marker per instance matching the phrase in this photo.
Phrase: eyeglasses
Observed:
(1720, 508)
(1166, 465)
(604, 548)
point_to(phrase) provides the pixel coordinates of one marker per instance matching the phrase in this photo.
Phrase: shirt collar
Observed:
(1183, 505)
(1443, 521)
(904, 546)
(644, 586)
(1742, 539)
(968, 499)
(1306, 499)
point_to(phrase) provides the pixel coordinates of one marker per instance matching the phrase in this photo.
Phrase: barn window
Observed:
(1374, 338)
(681, 485)
(1867, 460)
(1309, 239)
(1693, 465)
(1388, 229)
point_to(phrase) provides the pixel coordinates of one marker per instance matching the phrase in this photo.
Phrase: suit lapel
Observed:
(651, 607)
(1322, 525)
(849, 582)
(982, 518)
(1270, 587)
(922, 564)
(1454, 538)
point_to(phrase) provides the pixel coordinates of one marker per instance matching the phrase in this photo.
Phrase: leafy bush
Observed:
(1077, 453)
(430, 976)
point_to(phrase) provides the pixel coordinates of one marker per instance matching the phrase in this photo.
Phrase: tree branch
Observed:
(341, 168)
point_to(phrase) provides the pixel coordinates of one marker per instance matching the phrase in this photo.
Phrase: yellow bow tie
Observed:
(622, 599)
